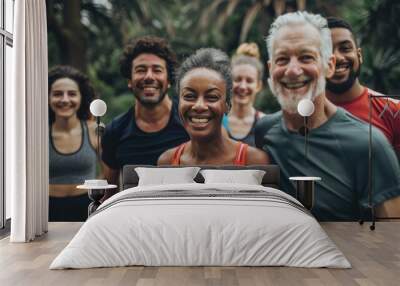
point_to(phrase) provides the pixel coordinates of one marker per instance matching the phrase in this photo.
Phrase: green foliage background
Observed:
(90, 34)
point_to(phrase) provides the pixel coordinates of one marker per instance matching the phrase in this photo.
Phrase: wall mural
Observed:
(183, 89)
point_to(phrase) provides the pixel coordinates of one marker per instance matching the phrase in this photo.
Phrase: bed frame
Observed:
(271, 178)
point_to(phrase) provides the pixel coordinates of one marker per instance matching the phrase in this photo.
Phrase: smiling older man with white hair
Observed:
(300, 50)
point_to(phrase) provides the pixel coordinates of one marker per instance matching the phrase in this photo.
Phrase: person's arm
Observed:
(389, 209)
(386, 178)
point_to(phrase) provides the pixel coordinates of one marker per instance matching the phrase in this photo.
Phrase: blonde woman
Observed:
(247, 74)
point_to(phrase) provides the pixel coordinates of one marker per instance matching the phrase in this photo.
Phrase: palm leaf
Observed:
(249, 19)
(227, 13)
(207, 12)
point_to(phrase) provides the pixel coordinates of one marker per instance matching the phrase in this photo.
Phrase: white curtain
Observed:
(27, 124)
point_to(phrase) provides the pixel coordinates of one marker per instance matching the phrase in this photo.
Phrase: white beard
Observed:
(290, 101)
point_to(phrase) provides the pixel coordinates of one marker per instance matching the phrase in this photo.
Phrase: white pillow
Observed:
(166, 176)
(249, 177)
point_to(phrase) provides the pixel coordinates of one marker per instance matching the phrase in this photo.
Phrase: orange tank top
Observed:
(240, 158)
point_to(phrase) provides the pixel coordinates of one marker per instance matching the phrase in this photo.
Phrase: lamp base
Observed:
(305, 193)
(95, 196)
(93, 207)
(305, 187)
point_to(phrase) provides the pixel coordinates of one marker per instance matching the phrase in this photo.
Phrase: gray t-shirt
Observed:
(338, 153)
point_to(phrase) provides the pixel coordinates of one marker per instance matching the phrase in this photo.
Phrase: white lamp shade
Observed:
(305, 107)
(98, 107)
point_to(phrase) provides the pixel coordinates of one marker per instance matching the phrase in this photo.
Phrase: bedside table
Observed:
(96, 190)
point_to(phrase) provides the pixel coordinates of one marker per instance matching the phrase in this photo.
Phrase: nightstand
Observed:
(96, 190)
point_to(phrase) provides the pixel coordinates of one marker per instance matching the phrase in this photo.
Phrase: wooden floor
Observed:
(374, 255)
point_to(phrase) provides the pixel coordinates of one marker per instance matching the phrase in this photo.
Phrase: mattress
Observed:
(201, 225)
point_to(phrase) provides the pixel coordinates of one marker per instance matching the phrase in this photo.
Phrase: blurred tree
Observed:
(246, 12)
(90, 34)
(65, 24)
(68, 31)
(379, 32)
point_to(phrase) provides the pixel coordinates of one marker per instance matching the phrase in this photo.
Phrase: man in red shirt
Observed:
(345, 90)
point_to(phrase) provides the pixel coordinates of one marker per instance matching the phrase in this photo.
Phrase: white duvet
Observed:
(225, 225)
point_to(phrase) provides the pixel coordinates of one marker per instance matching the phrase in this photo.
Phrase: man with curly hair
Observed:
(152, 125)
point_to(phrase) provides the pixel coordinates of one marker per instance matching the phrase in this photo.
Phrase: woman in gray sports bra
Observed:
(247, 73)
(72, 155)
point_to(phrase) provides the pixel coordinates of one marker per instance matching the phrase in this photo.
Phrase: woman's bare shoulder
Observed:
(257, 156)
(166, 157)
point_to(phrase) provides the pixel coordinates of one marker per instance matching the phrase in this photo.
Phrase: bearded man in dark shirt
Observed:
(152, 125)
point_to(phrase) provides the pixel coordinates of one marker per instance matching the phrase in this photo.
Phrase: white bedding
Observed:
(225, 225)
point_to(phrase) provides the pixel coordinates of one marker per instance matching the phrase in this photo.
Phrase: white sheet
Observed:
(200, 231)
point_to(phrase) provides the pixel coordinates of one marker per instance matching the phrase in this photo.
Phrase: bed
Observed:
(201, 223)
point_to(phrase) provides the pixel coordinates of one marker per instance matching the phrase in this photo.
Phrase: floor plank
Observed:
(374, 255)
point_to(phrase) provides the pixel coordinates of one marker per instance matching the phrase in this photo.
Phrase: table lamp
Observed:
(98, 108)
(96, 187)
(305, 185)
(305, 108)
